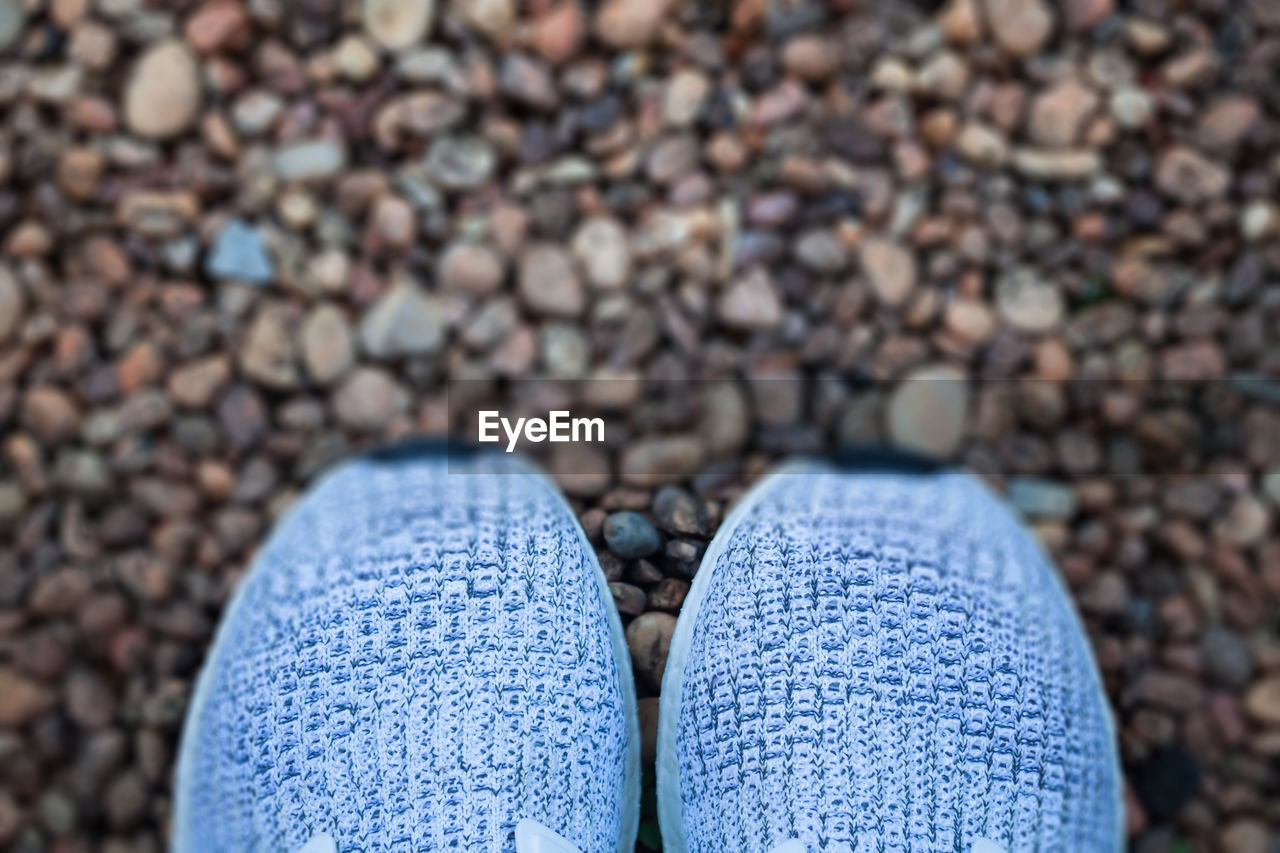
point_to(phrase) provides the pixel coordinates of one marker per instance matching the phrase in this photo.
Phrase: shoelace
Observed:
(533, 837)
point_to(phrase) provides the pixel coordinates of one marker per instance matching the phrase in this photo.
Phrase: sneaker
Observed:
(882, 661)
(425, 656)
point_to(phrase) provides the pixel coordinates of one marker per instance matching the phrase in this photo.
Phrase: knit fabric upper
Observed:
(420, 658)
(886, 662)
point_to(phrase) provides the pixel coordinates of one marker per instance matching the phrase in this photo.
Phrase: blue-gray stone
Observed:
(630, 535)
(1038, 498)
(238, 254)
(13, 17)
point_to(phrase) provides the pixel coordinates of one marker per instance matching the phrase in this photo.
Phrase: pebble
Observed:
(649, 639)
(1246, 522)
(812, 57)
(12, 304)
(564, 349)
(1262, 701)
(1083, 15)
(724, 420)
(1227, 657)
(1227, 121)
(494, 18)
(398, 24)
(945, 76)
(630, 600)
(970, 321)
(600, 246)
(1045, 164)
(629, 24)
(310, 160)
(669, 594)
(1271, 486)
(788, 99)
(125, 799)
(890, 269)
(461, 162)
(405, 321)
(928, 410)
(1187, 176)
(961, 21)
(630, 535)
(82, 472)
(60, 593)
(267, 353)
(773, 209)
(822, 252)
(254, 112)
(672, 158)
(652, 462)
(80, 172)
(51, 414)
(1042, 499)
(472, 268)
(157, 214)
(162, 95)
(582, 471)
(89, 701)
(392, 224)
(196, 384)
(215, 24)
(1257, 221)
(527, 80)
(750, 303)
(242, 415)
(417, 115)
(1021, 27)
(685, 93)
(1132, 108)
(680, 512)
(490, 324)
(1058, 115)
(13, 17)
(22, 700)
(356, 58)
(368, 399)
(557, 34)
(1248, 835)
(1028, 302)
(982, 145)
(238, 254)
(13, 500)
(328, 347)
(515, 355)
(548, 283)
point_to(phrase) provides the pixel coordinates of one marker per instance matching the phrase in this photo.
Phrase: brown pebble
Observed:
(649, 638)
(214, 24)
(162, 96)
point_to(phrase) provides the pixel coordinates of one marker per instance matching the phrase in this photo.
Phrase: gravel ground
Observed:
(243, 238)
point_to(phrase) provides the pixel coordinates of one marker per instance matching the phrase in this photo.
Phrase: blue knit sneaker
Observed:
(882, 662)
(424, 657)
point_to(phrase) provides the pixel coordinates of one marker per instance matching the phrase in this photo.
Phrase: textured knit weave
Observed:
(420, 658)
(885, 662)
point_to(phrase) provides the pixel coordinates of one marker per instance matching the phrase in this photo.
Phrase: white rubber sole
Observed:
(630, 816)
(630, 824)
(670, 805)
